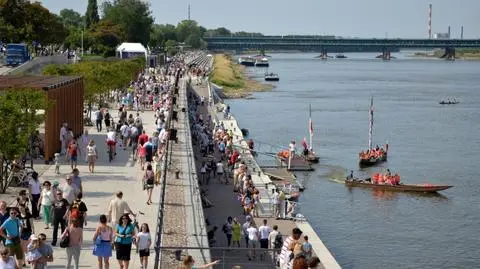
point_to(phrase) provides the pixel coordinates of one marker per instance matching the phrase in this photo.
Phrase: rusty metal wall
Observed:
(68, 107)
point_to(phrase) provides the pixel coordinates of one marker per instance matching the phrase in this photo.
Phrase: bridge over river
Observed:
(330, 44)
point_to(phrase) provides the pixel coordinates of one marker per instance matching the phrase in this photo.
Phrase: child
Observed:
(143, 243)
(57, 163)
(33, 255)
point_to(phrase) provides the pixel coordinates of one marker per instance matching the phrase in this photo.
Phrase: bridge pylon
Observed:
(386, 54)
(449, 54)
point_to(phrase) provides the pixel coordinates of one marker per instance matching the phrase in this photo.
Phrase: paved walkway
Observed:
(99, 188)
(226, 204)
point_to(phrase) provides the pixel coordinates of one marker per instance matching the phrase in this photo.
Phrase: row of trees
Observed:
(121, 20)
(100, 76)
(23, 21)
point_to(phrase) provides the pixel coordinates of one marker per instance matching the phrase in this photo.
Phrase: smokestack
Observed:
(430, 22)
(448, 32)
(461, 33)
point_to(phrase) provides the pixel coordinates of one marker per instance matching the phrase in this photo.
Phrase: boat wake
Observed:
(335, 173)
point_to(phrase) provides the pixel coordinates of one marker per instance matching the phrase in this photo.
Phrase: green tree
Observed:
(42, 26)
(105, 36)
(222, 31)
(195, 41)
(19, 117)
(133, 16)
(71, 18)
(171, 47)
(91, 16)
(186, 28)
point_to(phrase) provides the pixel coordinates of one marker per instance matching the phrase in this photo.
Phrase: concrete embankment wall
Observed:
(195, 222)
(35, 66)
(263, 182)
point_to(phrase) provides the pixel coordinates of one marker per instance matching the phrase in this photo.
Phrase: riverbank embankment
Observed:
(232, 78)
(221, 194)
(460, 54)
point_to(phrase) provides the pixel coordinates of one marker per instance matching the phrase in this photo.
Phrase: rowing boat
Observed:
(425, 188)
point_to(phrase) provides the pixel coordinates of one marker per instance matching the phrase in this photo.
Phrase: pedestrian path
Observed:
(99, 188)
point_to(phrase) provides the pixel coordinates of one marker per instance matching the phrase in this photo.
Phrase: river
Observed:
(428, 143)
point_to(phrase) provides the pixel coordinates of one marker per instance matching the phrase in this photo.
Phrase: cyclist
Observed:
(112, 140)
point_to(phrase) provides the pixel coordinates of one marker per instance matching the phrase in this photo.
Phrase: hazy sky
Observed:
(356, 18)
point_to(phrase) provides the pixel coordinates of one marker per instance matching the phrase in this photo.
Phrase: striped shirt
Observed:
(284, 257)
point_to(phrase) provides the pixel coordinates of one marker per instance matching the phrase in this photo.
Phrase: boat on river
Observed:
(376, 155)
(271, 77)
(449, 102)
(246, 61)
(421, 188)
(262, 62)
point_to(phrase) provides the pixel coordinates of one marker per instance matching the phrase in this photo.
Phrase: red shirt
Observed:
(142, 139)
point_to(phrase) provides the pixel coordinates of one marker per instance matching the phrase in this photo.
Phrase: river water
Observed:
(428, 143)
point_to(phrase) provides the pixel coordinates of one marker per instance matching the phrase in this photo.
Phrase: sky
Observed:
(347, 18)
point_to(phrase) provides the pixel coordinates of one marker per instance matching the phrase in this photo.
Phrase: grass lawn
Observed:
(232, 78)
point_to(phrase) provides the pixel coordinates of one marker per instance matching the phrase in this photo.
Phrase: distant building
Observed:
(441, 36)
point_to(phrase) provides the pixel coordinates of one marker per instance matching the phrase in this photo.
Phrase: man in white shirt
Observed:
(272, 236)
(220, 171)
(125, 132)
(253, 240)
(112, 140)
(117, 208)
(264, 231)
(69, 191)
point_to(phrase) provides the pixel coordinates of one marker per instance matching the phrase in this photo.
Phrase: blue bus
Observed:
(17, 54)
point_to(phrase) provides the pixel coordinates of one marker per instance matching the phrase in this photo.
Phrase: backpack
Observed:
(75, 212)
(278, 242)
(138, 122)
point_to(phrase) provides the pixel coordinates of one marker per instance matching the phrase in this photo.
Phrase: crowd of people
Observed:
(61, 206)
(377, 152)
(223, 162)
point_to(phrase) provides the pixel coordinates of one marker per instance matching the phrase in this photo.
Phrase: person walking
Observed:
(117, 208)
(34, 187)
(124, 234)
(228, 230)
(92, 155)
(85, 142)
(102, 239)
(45, 203)
(73, 152)
(75, 234)
(143, 242)
(11, 230)
(149, 182)
(60, 214)
(99, 119)
(26, 225)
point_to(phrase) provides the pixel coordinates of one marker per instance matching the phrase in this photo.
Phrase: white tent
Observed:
(128, 50)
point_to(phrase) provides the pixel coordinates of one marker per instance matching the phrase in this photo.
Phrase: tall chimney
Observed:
(448, 32)
(461, 33)
(430, 22)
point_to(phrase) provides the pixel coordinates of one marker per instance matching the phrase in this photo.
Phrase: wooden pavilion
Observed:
(67, 94)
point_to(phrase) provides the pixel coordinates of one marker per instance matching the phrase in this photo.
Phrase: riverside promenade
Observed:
(231, 207)
(99, 188)
(183, 222)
